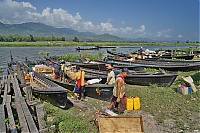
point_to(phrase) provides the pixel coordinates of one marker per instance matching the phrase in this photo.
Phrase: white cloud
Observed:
(28, 5)
(107, 27)
(141, 29)
(19, 12)
(164, 33)
(179, 36)
(126, 30)
(88, 25)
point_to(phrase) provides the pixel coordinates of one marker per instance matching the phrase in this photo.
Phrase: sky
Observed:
(153, 19)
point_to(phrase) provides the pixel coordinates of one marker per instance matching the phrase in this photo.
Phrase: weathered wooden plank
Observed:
(8, 99)
(29, 93)
(29, 118)
(5, 94)
(26, 120)
(2, 117)
(12, 126)
(22, 120)
(41, 113)
(20, 75)
(8, 83)
(18, 100)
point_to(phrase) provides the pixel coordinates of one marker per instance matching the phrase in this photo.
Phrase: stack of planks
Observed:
(26, 122)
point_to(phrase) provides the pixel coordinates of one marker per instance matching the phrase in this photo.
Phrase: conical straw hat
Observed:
(189, 80)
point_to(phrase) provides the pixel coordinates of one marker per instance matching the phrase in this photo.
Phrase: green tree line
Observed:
(29, 38)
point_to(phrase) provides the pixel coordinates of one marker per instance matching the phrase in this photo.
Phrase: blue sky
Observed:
(154, 19)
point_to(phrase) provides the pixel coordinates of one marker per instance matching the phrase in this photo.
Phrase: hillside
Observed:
(39, 29)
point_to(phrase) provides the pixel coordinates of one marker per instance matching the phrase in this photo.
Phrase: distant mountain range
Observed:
(39, 29)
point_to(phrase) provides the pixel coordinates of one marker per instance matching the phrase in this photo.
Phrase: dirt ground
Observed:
(149, 123)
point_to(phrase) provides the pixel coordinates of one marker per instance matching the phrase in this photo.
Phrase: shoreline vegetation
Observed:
(171, 110)
(72, 43)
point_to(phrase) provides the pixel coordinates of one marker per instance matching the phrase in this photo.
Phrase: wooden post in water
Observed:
(20, 75)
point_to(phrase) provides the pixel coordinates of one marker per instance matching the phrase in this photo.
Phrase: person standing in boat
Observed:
(79, 88)
(141, 52)
(118, 99)
(62, 75)
(110, 76)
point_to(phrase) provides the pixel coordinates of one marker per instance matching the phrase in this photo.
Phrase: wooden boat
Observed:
(158, 65)
(98, 91)
(118, 54)
(93, 48)
(168, 56)
(41, 87)
(105, 47)
(185, 57)
(92, 65)
(142, 78)
(120, 66)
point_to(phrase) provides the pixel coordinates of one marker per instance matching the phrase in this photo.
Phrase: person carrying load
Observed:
(79, 88)
(110, 76)
(118, 99)
(63, 75)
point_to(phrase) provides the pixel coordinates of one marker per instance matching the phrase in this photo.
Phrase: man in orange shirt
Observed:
(80, 83)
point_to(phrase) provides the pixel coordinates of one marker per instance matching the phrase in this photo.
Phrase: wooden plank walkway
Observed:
(2, 118)
(25, 118)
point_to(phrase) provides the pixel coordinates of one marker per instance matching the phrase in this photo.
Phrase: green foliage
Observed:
(76, 39)
(47, 41)
(30, 38)
(150, 70)
(6, 120)
(1, 70)
(165, 103)
(43, 53)
(72, 57)
(68, 121)
(114, 49)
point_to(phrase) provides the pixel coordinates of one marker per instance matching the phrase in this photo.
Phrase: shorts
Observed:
(119, 107)
(76, 90)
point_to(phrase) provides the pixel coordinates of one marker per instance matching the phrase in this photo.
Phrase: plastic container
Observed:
(129, 103)
(136, 103)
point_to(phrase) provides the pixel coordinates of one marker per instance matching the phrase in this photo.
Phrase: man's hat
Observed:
(109, 67)
(125, 70)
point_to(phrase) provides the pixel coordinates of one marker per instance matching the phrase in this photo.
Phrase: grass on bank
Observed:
(71, 43)
(72, 57)
(164, 103)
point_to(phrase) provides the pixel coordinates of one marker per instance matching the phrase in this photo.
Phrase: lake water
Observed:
(32, 53)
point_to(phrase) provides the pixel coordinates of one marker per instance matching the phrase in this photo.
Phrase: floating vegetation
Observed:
(43, 53)
(1, 70)
(72, 57)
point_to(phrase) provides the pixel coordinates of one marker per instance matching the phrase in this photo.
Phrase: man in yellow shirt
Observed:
(80, 83)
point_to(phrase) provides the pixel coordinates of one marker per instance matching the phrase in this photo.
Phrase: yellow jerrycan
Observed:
(136, 103)
(129, 103)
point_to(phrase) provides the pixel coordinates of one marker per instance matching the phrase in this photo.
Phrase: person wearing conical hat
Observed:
(111, 76)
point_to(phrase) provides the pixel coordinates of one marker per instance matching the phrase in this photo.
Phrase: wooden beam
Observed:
(2, 118)
(41, 114)
(12, 126)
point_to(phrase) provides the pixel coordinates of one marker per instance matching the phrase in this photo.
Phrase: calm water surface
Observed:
(19, 53)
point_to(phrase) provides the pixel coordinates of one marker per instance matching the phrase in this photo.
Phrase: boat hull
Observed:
(146, 80)
(97, 91)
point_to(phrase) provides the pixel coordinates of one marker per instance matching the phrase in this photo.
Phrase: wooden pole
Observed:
(41, 116)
